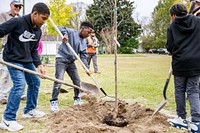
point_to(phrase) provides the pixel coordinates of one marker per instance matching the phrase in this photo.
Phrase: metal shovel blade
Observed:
(160, 106)
(92, 89)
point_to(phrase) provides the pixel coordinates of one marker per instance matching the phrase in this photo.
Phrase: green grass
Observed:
(141, 78)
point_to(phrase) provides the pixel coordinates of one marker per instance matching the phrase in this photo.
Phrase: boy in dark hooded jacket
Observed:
(184, 44)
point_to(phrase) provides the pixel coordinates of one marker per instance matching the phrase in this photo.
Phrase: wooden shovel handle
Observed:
(39, 74)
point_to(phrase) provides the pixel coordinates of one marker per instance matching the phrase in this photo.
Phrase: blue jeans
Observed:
(189, 85)
(20, 78)
(63, 65)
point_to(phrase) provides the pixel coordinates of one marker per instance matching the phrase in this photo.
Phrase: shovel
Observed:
(163, 103)
(78, 58)
(93, 91)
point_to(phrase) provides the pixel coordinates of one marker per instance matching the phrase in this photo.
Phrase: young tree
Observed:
(159, 24)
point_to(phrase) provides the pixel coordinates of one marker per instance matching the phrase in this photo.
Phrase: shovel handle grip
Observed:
(165, 88)
(167, 82)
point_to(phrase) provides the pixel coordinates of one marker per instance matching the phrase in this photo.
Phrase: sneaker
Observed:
(178, 122)
(78, 101)
(194, 127)
(10, 125)
(54, 106)
(33, 114)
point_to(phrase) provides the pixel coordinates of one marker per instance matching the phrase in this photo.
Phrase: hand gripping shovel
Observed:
(94, 91)
(78, 58)
(162, 104)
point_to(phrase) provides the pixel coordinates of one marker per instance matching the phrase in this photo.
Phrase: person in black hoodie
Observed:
(184, 44)
(20, 49)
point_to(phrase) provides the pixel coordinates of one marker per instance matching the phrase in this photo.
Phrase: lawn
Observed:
(141, 78)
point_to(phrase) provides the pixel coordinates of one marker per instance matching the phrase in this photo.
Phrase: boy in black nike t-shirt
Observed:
(20, 49)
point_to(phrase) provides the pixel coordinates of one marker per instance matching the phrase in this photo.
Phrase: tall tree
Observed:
(60, 13)
(101, 15)
(80, 9)
(159, 24)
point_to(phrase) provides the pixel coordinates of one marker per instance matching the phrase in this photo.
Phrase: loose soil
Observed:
(88, 118)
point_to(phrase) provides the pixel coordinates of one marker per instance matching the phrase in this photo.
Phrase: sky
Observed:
(144, 8)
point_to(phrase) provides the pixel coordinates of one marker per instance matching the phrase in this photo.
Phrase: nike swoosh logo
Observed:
(6, 124)
(22, 39)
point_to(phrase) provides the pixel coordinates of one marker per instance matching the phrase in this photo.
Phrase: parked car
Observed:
(162, 51)
(152, 51)
(134, 51)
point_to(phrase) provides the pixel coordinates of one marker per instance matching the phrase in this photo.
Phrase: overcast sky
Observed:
(143, 7)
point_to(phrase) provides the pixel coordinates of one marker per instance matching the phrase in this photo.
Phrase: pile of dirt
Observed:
(88, 118)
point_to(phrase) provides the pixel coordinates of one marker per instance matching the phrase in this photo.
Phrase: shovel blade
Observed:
(160, 106)
(92, 89)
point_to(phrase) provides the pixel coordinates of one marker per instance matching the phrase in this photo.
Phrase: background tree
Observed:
(159, 24)
(60, 14)
(80, 9)
(101, 15)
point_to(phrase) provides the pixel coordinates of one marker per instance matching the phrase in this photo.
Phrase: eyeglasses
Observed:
(16, 6)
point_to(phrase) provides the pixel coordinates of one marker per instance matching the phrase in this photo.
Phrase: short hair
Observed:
(178, 10)
(86, 24)
(41, 8)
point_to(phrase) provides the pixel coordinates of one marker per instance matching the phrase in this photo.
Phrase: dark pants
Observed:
(63, 65)
(189, 85)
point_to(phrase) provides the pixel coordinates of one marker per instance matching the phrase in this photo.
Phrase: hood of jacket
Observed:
(186, 23)
(29, 21)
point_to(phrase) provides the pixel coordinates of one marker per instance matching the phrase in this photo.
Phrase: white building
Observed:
(50, 47)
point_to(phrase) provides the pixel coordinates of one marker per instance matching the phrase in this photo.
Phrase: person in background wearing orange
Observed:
(92, 45)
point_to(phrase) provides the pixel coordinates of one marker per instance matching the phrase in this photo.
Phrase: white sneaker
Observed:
(178, 122)
(54, 106)
(194, 127)
(33, 114)
(78, 101)
(10, 125)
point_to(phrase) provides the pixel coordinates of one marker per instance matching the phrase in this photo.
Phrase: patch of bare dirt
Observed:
(88, 118)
